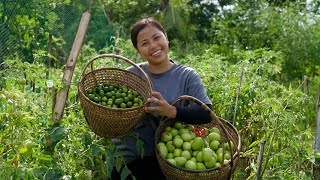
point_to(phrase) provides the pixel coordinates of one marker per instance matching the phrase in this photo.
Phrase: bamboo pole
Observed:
(49, 55)
(62, 95)
(237, 96)
(261, 152)
(316, 170)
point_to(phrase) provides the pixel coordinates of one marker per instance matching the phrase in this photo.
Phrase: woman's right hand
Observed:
(162, 107)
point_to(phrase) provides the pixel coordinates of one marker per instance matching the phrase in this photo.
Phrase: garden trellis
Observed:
(13, 20)
(8, 47)
(11, 46)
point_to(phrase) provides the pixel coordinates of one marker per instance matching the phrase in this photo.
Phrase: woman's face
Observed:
(153, 45)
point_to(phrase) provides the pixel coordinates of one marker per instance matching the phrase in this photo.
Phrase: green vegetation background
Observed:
(269, 49)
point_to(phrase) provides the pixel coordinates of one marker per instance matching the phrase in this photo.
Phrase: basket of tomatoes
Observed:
(197, 151)
(113, 99)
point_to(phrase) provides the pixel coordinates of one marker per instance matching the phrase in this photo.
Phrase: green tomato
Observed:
(163, 150)
(191, 165)
(29, 145)
(180, 161)
(207, 154)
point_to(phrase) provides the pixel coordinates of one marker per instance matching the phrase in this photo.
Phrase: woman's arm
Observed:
(193, 115)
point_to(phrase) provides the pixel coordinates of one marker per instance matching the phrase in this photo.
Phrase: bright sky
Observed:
(210, 2)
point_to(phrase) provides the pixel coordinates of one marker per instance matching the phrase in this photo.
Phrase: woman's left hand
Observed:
(162, 107)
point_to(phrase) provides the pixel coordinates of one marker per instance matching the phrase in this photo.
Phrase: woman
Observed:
(170, 81)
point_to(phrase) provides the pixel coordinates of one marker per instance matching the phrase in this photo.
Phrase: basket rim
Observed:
(165, 121)
(118, 57)
(234, 157)
(81, 90)
(81, 78)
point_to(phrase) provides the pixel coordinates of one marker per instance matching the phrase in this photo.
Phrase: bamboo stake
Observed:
(49, 55)
(71, 63)
(316, 166)
(262, 143)
(237, 97)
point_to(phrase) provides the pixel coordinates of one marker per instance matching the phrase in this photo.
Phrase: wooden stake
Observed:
(71, 63)
(261, 152)
(49, 55)
(56, 57)
(237, 97)
(316, 166)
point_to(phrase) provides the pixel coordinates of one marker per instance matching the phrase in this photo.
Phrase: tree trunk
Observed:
(164, 4)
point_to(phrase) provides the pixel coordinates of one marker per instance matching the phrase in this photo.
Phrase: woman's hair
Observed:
(141, 24)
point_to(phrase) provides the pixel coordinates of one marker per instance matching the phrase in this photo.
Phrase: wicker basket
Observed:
(112, 122)
(228, 133)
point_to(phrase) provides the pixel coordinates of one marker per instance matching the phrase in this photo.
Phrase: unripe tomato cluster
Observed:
(115, 96)
(27, 149)
(194, 148)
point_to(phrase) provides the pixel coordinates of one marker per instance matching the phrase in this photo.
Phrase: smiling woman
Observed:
(150, 40)
(153, 47)
(170, 81)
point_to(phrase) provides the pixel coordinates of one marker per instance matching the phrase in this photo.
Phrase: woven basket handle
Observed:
(90, 62)
(198, 102)
(213, 117)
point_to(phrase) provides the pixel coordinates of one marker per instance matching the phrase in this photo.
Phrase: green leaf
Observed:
(59, 131)
(40, 171)
(53, 174)
(95, 150)
(109, 163)
(23, 150)
(44, 157)
(110, 152)
(255, 143)
(139, 145)
(124, 173)
(119, 163)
